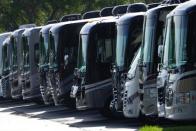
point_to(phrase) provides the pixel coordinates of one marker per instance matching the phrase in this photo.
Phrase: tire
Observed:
(107, 112)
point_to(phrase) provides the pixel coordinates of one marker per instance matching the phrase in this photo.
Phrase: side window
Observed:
(104, 50)
(36, 53)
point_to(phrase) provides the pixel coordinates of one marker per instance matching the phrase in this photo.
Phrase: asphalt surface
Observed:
(20, 115)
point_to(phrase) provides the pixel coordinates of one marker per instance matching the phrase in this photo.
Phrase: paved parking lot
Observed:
(19, 116)
(28, 116)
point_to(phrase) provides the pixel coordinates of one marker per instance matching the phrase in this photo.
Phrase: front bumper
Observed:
(16, 90)
(31, 93)
(181, 112)
(94, 96)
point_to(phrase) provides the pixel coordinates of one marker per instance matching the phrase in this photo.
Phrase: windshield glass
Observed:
(129, 38)
(134, 64)
(175, 52)
(44, 48)
(122, 38)
(14, 53)
(149, 35)
(52, 49)
(25, 52)
(5, 57)
(101, 52)
(82, 55)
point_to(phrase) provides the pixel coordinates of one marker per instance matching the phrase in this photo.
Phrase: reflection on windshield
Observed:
(14, 53)
(129, 38)
(82, 51)
(5, 57)
(134, 64)
(122, 37)
(148, 40)
(44, 48)
(175, 52)
(52, 49)
(25, 51)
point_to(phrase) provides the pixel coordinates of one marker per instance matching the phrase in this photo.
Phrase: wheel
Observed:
(106, 111)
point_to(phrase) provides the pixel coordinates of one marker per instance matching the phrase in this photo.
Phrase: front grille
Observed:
(5, 87)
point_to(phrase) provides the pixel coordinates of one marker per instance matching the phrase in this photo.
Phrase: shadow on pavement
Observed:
(80, 119)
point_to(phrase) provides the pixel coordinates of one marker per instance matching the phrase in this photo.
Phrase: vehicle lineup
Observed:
(128, 61)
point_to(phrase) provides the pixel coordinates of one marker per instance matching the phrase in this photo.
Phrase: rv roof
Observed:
(125, 19)
(5, 34)
(184, 8)
(28, 31)
(26, 26)
(56, 27)
(45, 29)
(152, 13)
(88, 26)
(6, 41)
(16, 32)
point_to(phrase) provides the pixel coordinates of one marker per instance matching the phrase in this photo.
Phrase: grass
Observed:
(177, 128)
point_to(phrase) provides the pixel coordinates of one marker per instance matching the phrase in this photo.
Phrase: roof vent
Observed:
(107, 11)
(91, 14)
(119, 10)
(52, 22)
(70, 17)
(27, 26)
(137, 7)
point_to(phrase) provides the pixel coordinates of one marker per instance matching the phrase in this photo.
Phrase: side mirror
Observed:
(160, 51)
(66, 57)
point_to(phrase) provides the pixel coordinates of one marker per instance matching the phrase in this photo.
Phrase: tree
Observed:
(16, 12)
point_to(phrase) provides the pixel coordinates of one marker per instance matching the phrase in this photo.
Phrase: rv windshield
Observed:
(82, 55)
(5, 57)
(122, 38)
(44, 48)
(14, 53)
(129, 38)
(101, 51)
(52, 49)
(149, 38)
(25, 52)
(176, 46)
